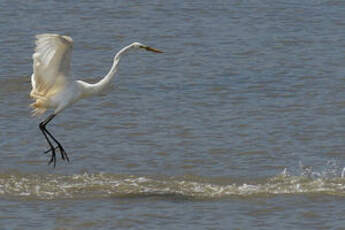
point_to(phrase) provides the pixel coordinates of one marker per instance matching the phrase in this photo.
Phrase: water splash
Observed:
(331, 170)
(102, 185)
(342, 173)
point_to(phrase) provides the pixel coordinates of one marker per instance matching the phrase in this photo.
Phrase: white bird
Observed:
(52, 87)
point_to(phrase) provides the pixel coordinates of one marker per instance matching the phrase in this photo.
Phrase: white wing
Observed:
(51, 64)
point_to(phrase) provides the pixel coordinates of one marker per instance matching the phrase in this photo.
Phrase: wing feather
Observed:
(51, 66)
(51, 63)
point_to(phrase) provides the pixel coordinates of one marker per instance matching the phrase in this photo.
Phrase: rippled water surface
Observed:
(240, 124)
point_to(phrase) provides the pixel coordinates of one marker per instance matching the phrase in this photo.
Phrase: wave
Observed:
(103, 185)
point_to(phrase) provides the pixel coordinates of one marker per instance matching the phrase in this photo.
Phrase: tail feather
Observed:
(37, 108)
(40, 104)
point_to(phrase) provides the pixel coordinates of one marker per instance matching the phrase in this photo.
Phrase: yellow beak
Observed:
(152, 49)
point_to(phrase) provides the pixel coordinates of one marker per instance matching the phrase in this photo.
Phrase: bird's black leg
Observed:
(46, 133)
(43, 130)
(59, 146)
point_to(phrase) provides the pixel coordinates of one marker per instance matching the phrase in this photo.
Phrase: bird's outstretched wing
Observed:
(51, 64)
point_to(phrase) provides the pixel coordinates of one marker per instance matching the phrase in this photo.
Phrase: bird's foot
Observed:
(63, 153)
(49, 150)
(53, 157)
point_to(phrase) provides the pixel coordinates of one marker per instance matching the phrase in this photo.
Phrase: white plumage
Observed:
(52, 86)
(51, 66)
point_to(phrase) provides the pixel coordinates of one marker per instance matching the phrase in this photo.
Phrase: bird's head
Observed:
(134, 45)
(138, 45)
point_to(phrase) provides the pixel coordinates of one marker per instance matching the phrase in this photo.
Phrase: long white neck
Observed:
(97, 88)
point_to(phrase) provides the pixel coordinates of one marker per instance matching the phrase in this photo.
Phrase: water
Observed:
(238, 125)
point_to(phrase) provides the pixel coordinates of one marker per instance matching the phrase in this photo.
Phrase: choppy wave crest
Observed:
(102, 185)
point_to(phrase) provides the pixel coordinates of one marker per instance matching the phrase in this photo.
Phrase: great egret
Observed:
(52, 86)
